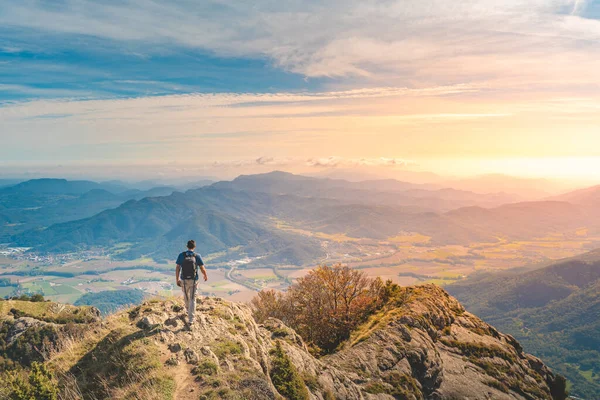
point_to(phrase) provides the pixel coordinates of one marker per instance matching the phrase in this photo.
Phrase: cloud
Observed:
(33, 91)
(242, 126)
(172, 104)
(425, 43)
(334, 162)
(316, 162)
(260, 161)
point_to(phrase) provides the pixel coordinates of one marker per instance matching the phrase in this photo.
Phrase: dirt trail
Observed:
(186, 386)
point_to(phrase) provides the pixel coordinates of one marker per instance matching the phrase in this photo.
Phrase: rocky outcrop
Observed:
(430, 347)
(424, 345)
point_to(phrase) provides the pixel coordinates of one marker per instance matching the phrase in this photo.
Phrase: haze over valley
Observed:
(261, 231)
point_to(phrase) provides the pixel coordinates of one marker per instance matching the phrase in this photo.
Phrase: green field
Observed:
(48, 289)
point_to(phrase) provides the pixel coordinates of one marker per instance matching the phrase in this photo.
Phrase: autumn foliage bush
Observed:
(325, 305)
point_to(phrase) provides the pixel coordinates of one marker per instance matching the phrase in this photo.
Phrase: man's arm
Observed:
(201, 265)
(177, 270)
(203, 270)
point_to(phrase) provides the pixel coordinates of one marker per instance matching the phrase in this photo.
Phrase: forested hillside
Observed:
(553, 311)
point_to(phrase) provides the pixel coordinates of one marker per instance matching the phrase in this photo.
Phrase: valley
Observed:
(405, 259)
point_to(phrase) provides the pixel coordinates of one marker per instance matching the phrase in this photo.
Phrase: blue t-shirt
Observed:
(182, 256)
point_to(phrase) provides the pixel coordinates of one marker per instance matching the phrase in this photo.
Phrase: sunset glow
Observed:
(456, 89)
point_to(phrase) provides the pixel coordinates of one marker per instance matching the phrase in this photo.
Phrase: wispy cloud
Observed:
(35, 91)
(427, 42)
(334, 162)
(177, 103)
(357, 124)
(315, 162)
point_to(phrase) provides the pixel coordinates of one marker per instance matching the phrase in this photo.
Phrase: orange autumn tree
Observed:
(324, 306)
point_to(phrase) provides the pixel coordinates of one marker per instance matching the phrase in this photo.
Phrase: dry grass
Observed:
(410, 239)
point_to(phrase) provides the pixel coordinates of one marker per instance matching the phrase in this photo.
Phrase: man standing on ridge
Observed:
(186, 275)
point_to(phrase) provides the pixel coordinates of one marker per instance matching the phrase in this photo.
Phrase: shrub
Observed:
(227, 347)
(496, 385)
(324, 306)
(37, 298)
(376, 388)
(285, 377)
(39, 385)
(479, 350)
(205, 368)
(311, 381)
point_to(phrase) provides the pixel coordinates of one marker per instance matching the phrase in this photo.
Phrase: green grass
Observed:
(45, 288)
(65, 298)
(226, 347)
(206, 368)
(6, 291)
(588, 375)
(47, 311)
(124, 359)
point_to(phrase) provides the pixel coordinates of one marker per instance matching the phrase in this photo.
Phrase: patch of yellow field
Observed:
(485, 245)
(582, 232)
(512, 246)
(410, 239)
(559, 245)
(334, 237)
(554, 237)
(498, 255)
(144, 260)
(442, 254)
(450, 274)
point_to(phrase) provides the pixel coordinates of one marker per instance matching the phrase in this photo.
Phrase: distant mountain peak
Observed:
(274, 175)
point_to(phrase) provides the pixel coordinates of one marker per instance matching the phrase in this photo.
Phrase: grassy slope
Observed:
(48, 311)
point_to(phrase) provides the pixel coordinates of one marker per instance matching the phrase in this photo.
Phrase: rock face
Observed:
(424, 347)
(430, 347)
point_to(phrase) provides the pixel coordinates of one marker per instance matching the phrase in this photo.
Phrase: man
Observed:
(186, 275)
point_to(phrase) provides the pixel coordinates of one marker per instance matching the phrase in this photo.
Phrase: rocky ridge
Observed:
(424, 346)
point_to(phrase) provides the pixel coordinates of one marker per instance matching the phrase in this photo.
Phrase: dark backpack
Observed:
(189, 266)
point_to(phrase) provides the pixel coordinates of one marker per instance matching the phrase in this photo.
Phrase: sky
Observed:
(217, 88)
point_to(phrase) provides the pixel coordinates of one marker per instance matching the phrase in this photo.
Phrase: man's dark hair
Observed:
(191, 244)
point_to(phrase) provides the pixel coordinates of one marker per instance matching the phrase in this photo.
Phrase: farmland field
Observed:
(406, 259)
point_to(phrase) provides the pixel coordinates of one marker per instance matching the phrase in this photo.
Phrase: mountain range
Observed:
(243, 212)
(420, 197)
(40, 203)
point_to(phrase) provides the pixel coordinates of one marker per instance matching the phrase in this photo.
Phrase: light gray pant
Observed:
(188, 286)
